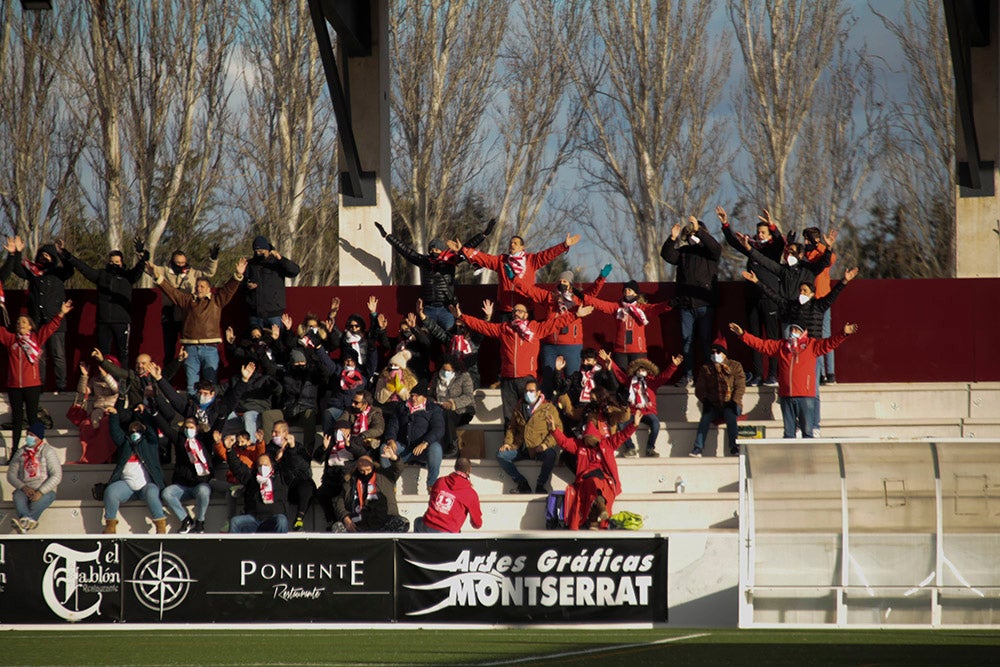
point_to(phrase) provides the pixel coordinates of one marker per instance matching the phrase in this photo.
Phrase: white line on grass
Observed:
(603, 649)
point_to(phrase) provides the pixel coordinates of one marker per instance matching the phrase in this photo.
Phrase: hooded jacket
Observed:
(452, 498)
(269, 274)
(114, 288)
(437, 274)
(697, 269)
(46, 292)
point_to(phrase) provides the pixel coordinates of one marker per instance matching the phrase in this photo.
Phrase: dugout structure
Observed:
(866, 533)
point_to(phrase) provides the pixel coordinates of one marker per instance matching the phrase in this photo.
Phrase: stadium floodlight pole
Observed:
(36, 5)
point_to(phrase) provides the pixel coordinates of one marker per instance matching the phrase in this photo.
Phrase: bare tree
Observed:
(41, 149)
(537, 120)
(649, 78)
(285, 142)
(445, 71)
(787, 47)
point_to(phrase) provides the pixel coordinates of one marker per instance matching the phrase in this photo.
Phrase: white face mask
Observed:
(794, 335)
(190, 432)
(265, 471)
(447, 375)
(530, 396)
(694, 240)
(718, 357)
(804, 299)
(277, 440)
(642, 374)
(792, 260)
(135, 436)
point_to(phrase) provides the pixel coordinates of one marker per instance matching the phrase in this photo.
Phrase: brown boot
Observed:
(110, 526)
(161, 525)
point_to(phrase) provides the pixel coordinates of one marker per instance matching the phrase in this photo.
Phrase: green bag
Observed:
(626, 521)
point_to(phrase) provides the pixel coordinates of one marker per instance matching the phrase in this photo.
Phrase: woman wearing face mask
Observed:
(34, 473)
(101, 391)
(639, 385)
(24, 349)
(632, 316)
(451, 388)
(137, 475)
(458, 341)
(192, 474)
(720, 387)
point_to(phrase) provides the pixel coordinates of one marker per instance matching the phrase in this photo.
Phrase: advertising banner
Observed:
(532, 580)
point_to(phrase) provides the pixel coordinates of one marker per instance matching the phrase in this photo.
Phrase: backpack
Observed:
(625, 521)
(555, 517)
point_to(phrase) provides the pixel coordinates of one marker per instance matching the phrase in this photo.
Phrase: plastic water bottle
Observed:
(679, 485)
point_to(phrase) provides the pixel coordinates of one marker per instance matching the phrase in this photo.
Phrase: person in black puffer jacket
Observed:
(114, 296)
(264, 282)
(696, 255)
(437, 271)
(46, 278)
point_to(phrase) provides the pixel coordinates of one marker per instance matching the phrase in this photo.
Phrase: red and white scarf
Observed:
(587, 383)
(522, 329)
(266, 487)
(460, 345)
(29, 346)
(29, 461)
(350, 378)
(444, 258)
(637, 393)
(361, 421)
(366, 492)
(197, 456)
(31, 267)
(354, 342)
(516, 262)
(633, 309)
(338, 450)
(414, 407)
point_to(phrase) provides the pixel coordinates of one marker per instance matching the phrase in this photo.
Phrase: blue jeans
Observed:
(431, 457)
(798, 411)
(547, 363)
(827, 364)
(202, 363)
(651, 421)
(257, 322)
(441, 315)
(695, 321)
(175, 493)
(330, 417)
(709, 414)
(32, 508)
(119, 492)
(247, 523)
(548, 459)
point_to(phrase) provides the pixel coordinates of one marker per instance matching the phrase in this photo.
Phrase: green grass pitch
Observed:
(608, 648)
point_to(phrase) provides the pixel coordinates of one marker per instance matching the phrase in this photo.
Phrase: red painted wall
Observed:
(911, 330)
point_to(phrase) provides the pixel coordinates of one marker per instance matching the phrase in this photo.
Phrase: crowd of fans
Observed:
(369, 397)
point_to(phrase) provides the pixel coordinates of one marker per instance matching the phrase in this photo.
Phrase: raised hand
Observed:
(744, 240)
(454, 245)
(327, 438)
(9, 245)
(677, 359)
(65, 307)
(456, 310)
(721, 212)
(230, 335)
(675, 231)
(381, 229)
(551, 423)
(572, 239)
(382, 321)
(411, 319)
(60, 245)
(213, 251)
(606, 271)
(560, 362)
(850, 329)
(275, 332)
(694, 222)
(372, 304)
(850, 274)
(335, 305)
(751, 276)
(583, 311)
(241, 268)
(19, 244)
(604, 356)
(735, 328)
(489, 227)
(286, 321)
(83, 369)
(154, 371)
(488, 309)
(97, 355)
(831, 238)
(247, 371)
(420, 309)
(766, 218)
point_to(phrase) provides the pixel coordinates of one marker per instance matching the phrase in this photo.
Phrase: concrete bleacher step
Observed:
(505, 512)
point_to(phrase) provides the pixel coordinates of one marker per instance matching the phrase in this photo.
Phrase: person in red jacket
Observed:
(513, 265)
(519, 340)
(797, 354)
(641, 382)
(591, 496)
(23, 376)
(452, 499)
(633, 315)
(566, 342)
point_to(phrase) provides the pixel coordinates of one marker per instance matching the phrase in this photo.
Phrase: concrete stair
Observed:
(877, 411)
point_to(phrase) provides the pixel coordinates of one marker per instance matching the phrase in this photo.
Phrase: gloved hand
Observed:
(381, 229)
(213, 251)
(790, 237)
(140, 246)
(489, 226)
(606, 271)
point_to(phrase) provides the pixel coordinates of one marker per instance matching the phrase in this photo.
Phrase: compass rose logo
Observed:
(160, 581)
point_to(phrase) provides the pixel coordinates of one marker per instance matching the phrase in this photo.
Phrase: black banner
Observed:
(532, 580)
(331, 579)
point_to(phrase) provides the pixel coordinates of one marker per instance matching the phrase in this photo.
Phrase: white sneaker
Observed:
(816, 433)
(18, 526)
(29, 524)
